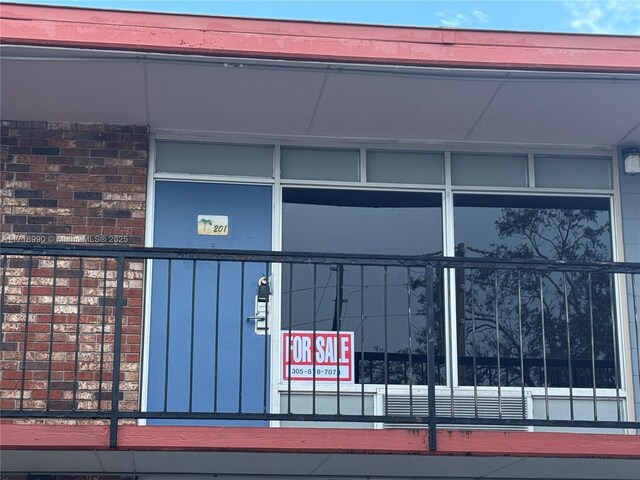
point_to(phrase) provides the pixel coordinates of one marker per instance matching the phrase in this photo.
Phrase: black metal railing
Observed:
(533, 344)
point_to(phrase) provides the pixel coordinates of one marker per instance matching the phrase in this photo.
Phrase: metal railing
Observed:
(534, 343)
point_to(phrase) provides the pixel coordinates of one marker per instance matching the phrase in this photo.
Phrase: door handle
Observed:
(261, 307)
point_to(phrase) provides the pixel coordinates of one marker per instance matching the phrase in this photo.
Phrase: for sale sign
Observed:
(320, 356)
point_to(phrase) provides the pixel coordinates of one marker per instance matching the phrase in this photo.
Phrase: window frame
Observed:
(447, 190)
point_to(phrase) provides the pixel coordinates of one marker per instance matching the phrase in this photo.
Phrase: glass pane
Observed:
(365, 222)
(319, 164)
(384, 307)
(214, 159)
(405, 167)
(489, 169)
(573, 172)
(495, 308)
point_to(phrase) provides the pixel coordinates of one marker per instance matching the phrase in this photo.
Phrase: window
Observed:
(489, 169)
(320, 164)
(383, 306)
(573, 172)
(214, 159)
(330, 205)
(496, 308)
(405, 167)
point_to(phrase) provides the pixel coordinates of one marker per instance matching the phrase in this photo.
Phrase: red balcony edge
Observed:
(296, 40)
(309, 440)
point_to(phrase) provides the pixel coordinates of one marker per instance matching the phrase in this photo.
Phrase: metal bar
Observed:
(616, 353)
(409, 340)
(521, 336)
(51, 329)
(362, 318)
(104, 319)
(117, 344)
(76, 384)
(593, 349)
(289, 342)
(192, 332)
(315, 329)
(165, 404)
(544, 349)
(241, 339)
(265, 360)
(386, 343)
(475, 344)
(338, 321)
(370, 364)
(566, 424)
(326, 418)
(152, 253)
(567, 322)
(216, 340)
(5, 260)
(26, 332)
(431, 340)
(497, 315)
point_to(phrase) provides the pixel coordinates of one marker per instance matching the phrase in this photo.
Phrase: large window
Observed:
(506, 327)
(530, 328)
(383, 306)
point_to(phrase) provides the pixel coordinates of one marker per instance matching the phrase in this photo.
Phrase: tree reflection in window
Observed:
(531, 328)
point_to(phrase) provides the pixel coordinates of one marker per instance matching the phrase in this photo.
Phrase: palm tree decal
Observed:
(204, 225)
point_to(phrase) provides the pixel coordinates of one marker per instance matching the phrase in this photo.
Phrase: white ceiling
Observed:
(286, 99)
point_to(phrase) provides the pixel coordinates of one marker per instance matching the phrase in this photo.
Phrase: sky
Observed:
(617, 17)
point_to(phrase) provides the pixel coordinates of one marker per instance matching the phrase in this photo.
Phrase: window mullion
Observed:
(449, 277)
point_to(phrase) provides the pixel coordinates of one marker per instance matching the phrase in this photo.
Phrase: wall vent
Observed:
(461, 406)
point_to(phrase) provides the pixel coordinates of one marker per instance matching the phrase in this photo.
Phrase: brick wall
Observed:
(68, 179)
(70, 184)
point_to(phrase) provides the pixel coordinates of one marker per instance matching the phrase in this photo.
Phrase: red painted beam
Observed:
(56, 437)
(307, 440)
(220, 36)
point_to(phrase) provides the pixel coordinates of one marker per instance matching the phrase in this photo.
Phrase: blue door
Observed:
(204, 353)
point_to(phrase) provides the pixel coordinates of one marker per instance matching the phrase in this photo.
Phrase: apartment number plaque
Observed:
(213, 225)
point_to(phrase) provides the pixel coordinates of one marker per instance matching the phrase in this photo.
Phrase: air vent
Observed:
(460, 406)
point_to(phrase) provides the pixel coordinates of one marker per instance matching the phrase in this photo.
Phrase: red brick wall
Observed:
(61, 179)
(75, 184)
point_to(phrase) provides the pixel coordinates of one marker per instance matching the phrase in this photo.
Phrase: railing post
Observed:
(431, 356)
(117, 340)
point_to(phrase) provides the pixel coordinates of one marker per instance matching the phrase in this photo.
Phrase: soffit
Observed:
(298, 99)
(161, 465)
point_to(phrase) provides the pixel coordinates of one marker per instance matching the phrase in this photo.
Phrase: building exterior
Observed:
(263, 248)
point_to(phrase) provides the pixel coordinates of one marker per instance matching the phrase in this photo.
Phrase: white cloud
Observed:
(605, 16)
(480, 16)
(449, 18)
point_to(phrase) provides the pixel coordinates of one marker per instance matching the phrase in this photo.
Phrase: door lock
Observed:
(262, 306)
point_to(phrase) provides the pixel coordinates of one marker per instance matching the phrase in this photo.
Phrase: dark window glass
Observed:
(384, 306)
(530, 328)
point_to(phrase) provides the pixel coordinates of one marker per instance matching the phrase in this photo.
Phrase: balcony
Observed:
(119, 337)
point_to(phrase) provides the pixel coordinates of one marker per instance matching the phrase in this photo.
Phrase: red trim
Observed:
(307, 440)
(220, 36)
(58, 437)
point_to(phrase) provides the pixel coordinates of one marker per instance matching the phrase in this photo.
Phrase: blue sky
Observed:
(571, 16)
